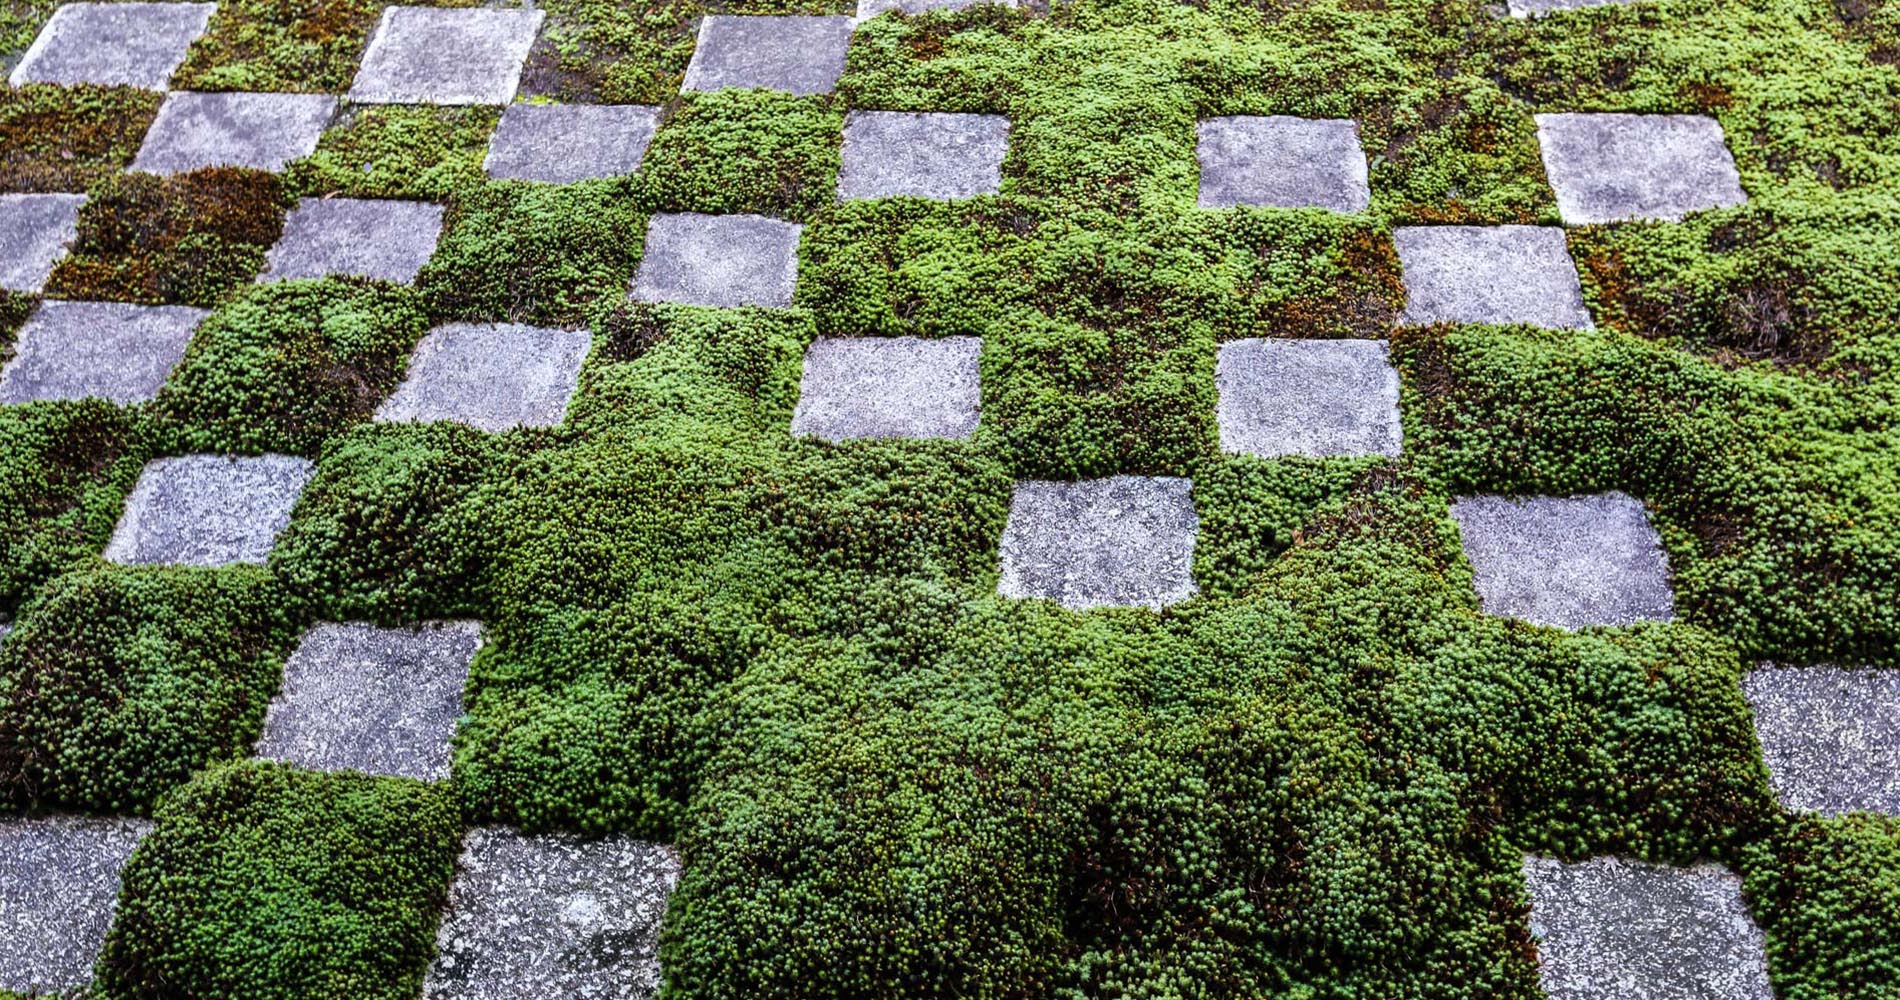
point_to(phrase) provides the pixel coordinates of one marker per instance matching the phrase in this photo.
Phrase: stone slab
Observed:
(922, 154)
(1281, 162)
(1614, 167)
(384, 701)
(208, 510)
(262, 131)
(1570, 562)
(366, 237)
(1319, 398)
(1490, 274)
(490, 376)
(1831, 736)
(112, 350)
(553, 917)
(798, 55)
(114, 44)
(564, 143)
(1612, 929)
(59, 886)
(871, 8)
(1537, 8)
(1124, 541)
(719, 260)
(445, 55)
(889, 387)
(36, 230)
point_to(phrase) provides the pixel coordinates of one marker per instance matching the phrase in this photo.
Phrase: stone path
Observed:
(1614, 167)
(368, 238)
(1307, 397)
(1489, 274)
(445, 55)
(109, 350)
(798, 55)
(490, 376)
(719, 260)
(260, 131)
(1282, 162)
(1570, 562)
(59, 885)
(1124, 541)
(35, 230)
(128, 44)
(208, 510)
(564, 143)
(889, 387)
(922, 155)
(1831, 736)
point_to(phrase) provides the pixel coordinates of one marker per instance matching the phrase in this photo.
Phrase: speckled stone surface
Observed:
(1611, 929)
(1281, 162)
(564, 143)
(1120, 541)
(128, 44)
(59, 885)
(719, 260)
(445, 55)
(872, 8)
(491, 376)
(1317, 398)
(35, 232)
(889, 387)
(798, 55)
(553, 917)
(367, 237)
(208, 510)
(922, 154)
(1831, 736)
(1534, 8)
(1490, 274)
(112, 350)
(1611, 167)
(1566, 561)
(263, 131)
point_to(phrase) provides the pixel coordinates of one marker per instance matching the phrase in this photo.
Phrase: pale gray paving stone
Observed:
(366, 237)
(889, 387)
(35, 232)
(1536, 8)
(799, 55)
(445, 55)
(1490, 274)
(1124, 541)
(564, 143)
(718, 260)
(1616, 167)
(208, 510)
(1613, 929)
(490, 376)
(129, 44)
(1830, 736)
(553, 917)
(1281, 162)
(383, 701)
(1570, 562)
(871, 8)
(1318, 398)
(922, 154)
(262, 131)
(115, 351)
(59, 887)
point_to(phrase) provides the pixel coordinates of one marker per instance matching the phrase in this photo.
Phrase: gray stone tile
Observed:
(1612, 167)
(1124, 541)
(564, 143)
(59, 886)
(1282, 162)
(889, 387)
(1318, 398)
(1831, 736)
(445, 55)
(553, 917)
(264, 131)
(719, 260)
(208, 510)
(1490, 274)
(1536, 8)
(491, 376)
(367, 237)
(112, 350)
(872, 8)
(799, 55)
(382, 701)
(924, 154)
(35, 232)
(1566, 561)
(1611, 929)
(129, 44)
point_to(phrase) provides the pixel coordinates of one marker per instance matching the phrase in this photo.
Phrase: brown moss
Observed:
(280, 45)
(67, 138)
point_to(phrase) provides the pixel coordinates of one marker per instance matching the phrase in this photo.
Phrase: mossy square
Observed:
(718, 260)
(564, 143)
(1570, 562)
(445, 55)
(109, 350)
(59, 886)
(922, 154)
(1319, 398)
(208, 510)
(1617, 167)
(490, 376)
(1830, 736)
(364, 237)
(1490, 274)
(798, 55)
(35, 232)
(263, 131)
(1276, 161)
(113, 44)
(889, 387)
(1124, 541)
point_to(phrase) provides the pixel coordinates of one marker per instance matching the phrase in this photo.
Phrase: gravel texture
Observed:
(1120, 541)
(922, 154)
(127, 44)
(1307, 397)
(719, 260)
(370, 238)
(1490, 274)
(59, 885)
(889, 387)
(1535, 8)
(1566, 561)
(491, 376)
(1282, 162)
(35, 232)
(798, 55)
(112, 350)
(872, 8)
(445, 55)
(1612, 167)
(564, 143)
(262, 131)
(1831, 736)
(208, 510)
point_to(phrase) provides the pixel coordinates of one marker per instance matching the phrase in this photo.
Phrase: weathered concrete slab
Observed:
(208, 510)
(719, 260)
(1281, 162)
(1566, 561)
(923, 154)
(872, 8)
(263, 131)
(35, 232)
(124, 44)
(889, 387)
(553, 917)
(59, 886)
(564, 143)
(112, 350)
(1319, 398)
(1121, 541)
(491, 376)
(799, 55)
(1611, 929)
(445, 55)
(1536, 8)
(1831, 736)
(1490, 274)
(1612, 167)
(367, 237)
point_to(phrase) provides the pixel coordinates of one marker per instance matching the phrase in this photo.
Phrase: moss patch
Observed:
(396, 151)
(309, 46)
(69, 138)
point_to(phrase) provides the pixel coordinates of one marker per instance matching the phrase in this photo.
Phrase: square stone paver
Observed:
(114, 44)
(889, 387)
(719, 260)
(1318, 398)
(553, 917)
(924, 154)
(445, 55)
(1535, 8)
(384, 701)
(1831, 736)
(564, 143)
(1118, 542)
(264, 131)
(1611, 929)
(799, 55)
(59, 886)
(872, 8)
(1490, 274)
(1612, 167)
(1566, 561)
(208, 510)
(491, 376)
(365, 237)
(35, 232)
(1281, 162)
(112, 350)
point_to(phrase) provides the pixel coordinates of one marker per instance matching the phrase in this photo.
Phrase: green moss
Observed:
(1827, 891)
(69, 138)
(396, 151)
(734, 151)
(280, 45)
(64, 470)
(20, 20)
